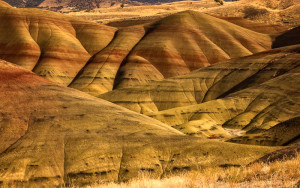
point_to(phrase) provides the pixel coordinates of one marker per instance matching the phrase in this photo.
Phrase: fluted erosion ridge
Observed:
(96, 58)
(62, 136)
(252, 94)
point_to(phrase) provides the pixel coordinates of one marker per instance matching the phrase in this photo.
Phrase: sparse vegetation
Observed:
(252, 12)
(275, 174)
(221, 2)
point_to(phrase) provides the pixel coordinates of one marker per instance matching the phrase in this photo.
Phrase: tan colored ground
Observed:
(270, 11)
(251, 93)
(53, 135)
(96, 58)
(258, 175)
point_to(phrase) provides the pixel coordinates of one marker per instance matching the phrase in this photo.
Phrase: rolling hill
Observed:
(62, 136)
(95, 58)
(204, 102)
(175, 82)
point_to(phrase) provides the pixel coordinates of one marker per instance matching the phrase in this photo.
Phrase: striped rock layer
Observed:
(252, 94)
(95, 58)
(52, 135)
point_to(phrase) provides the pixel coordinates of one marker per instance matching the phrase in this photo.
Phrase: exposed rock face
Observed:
(201, 102)
(63, 136)
(291, 37)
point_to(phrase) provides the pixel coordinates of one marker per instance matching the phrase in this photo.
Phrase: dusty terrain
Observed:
(196, 96)
(270, 12)
(96, 58)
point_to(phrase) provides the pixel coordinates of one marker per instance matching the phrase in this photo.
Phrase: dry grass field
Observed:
(276, 174)
(270, 11)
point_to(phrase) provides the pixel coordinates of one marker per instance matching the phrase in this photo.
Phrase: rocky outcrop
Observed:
(62, 136)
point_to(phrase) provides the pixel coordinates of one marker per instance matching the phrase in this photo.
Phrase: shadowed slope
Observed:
(290, 37)
(64, 136)
(212, 97)
(52, 45)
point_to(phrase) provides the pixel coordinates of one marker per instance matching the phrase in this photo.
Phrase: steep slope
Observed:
(99, 75)
(251, 93)
(176, 45)
(208, 83)
(96, 58)
(291, 37)
(52, 45)
(63, 136)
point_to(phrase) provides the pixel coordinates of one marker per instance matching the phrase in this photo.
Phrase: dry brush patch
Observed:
(275, 174)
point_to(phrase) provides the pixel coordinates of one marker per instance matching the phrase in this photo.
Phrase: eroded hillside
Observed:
(251, 94)
(95, 58)
(63, 136)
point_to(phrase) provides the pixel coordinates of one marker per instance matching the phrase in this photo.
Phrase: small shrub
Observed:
(252, 12)
(220, 2)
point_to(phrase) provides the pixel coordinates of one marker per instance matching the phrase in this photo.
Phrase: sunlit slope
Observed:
(184, 42)
(95, 58)
(64, 136)
(4, 4)
(285, 133)
(209, 83)
(251, 94)
(253, 110)
(100, 73)
(51, 44)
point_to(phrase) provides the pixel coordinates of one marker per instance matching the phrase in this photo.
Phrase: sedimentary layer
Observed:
(251, 94)
(62, 136)
(96, 58)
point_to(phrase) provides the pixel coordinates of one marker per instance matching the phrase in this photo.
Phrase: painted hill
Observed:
(95, 58)
(205, 101)
(173, 46)
(63, 136)
(52, 45)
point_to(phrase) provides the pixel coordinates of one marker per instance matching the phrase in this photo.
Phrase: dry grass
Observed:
(275, 174)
